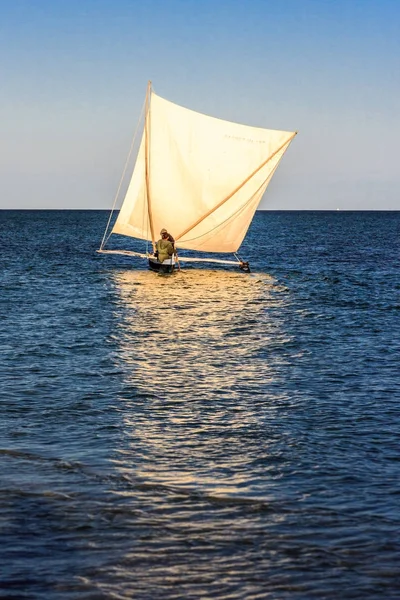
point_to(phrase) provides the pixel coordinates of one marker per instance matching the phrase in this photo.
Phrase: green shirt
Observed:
(165, 249)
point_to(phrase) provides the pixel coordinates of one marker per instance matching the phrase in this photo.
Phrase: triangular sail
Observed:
(206, 177)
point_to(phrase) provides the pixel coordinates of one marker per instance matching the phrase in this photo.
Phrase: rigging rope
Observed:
(105, 240)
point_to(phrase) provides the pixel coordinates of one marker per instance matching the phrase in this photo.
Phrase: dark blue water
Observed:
(211, 434)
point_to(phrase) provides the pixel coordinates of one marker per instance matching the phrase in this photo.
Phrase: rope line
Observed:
(105, 240)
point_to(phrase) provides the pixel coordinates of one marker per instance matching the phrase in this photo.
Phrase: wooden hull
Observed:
(167, 266)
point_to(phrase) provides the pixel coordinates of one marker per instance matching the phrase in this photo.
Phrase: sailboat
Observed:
(200, 178)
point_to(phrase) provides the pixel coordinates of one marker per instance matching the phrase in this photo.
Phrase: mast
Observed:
(147, 165)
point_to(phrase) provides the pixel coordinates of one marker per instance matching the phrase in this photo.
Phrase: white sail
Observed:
(206, 178)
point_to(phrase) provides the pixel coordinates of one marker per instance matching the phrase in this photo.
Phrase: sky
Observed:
(74, 73)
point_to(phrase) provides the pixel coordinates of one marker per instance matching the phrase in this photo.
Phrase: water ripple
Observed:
(205, 435)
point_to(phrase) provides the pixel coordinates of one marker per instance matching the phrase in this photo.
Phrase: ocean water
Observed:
(210, 434)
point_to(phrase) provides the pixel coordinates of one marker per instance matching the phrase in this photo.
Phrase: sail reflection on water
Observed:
(193, 348)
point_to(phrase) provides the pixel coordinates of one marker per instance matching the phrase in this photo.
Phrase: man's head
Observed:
(164, 233)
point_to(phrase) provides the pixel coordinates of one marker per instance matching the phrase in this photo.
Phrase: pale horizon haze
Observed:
(74, 77)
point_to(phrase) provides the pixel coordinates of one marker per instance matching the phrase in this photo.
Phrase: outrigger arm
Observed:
(243, 265)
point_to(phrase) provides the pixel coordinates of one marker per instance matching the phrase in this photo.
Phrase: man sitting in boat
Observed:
(165, 248)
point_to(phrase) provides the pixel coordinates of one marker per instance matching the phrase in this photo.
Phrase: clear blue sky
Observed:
(74, 74)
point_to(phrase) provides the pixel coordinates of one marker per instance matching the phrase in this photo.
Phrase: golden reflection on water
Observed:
(192, 346)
